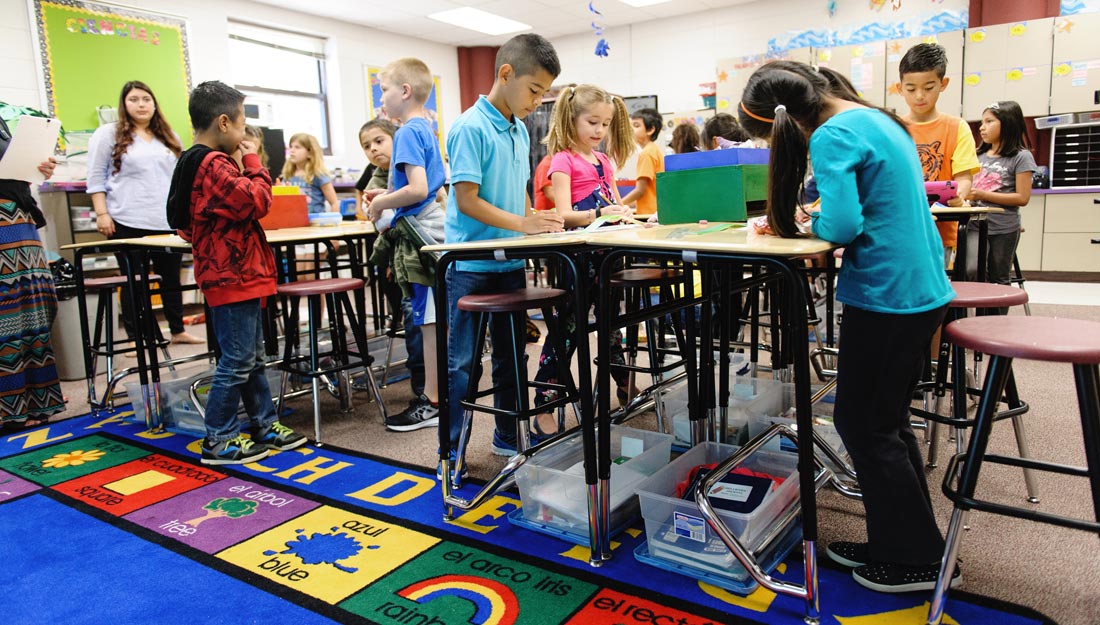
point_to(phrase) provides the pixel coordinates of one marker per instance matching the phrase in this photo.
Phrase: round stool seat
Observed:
(986, 295)
(113, 282)
(319, 287)
(645, 277)
(1033, 338)
(512, 301)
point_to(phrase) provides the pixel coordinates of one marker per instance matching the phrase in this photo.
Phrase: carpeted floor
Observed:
(1052, 570)
(129, 528)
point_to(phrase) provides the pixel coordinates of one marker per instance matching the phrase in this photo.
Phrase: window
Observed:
(283, 76)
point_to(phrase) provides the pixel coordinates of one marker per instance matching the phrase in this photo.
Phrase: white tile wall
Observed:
(671, 56)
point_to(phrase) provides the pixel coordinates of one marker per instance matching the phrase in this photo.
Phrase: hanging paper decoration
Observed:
(832, 8)
(877, 4)
(896, 5)
(602, 47)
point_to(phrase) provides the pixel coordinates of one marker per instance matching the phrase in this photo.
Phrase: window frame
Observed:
(322, 81)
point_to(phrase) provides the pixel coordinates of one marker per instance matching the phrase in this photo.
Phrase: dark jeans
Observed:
(239, 375)
(1000, 252)
(414, 347)
(461, 351)
(548, 360)
(167, 265)
(881, 359)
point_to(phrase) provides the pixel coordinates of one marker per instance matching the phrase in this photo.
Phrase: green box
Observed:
(711, 193)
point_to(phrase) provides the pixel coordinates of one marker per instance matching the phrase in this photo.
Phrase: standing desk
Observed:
(964, 215)
(559, 246)
(718, 245)
(137, 250)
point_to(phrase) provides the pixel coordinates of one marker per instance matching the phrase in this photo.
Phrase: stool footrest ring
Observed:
(969, 503)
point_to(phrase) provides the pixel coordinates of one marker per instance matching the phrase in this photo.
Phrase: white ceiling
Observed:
(549, 18)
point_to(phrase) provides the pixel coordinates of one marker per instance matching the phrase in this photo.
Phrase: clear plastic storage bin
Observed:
(777, 406)
(743, 390)
(552, 487)
(675, 529)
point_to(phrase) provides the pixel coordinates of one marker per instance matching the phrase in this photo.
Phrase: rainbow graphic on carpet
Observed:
(102, 522)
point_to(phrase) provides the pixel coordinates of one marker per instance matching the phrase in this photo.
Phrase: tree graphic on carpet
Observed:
(324, 549)
(232, 507)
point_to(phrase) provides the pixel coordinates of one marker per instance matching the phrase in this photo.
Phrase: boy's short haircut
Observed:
(380, 123)
(527, 54)
(412, 72)
(210, 100)
(652, 121)
(924, 57)
(723, 125)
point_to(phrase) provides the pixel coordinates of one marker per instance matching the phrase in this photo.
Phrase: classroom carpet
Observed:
(104, 522)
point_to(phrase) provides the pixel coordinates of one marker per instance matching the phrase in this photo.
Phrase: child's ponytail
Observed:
(562, 134)
(786, 172)
(777, 97)
(620, 138)
(572, 102)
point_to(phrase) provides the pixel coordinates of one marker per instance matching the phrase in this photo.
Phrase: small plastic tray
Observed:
(515, 517)
(325, 219)
(742, 584)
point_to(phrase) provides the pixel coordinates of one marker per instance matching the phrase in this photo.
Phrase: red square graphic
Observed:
(614, 608)
(139, 483)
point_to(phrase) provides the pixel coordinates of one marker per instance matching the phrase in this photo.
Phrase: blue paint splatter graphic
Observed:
(324, 549)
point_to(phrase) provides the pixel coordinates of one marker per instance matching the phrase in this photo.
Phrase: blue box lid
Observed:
(717, 158)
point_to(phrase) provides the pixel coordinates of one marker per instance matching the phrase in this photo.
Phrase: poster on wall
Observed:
(432, 106)
(88, 50)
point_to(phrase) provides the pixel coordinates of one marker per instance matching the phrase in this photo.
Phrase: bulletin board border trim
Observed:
(100, 9)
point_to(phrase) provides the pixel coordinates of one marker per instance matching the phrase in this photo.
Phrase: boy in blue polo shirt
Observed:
(490, 164)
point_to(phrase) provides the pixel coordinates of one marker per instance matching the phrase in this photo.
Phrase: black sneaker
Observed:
(238, 450)
(421, 413)
(889, 577)
(849, 554)
(278, 436)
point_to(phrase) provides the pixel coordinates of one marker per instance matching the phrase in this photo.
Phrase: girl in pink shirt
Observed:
(583, 187)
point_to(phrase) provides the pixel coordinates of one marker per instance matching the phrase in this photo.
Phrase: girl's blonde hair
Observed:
(258, 135)
(572, 102)
(316, 163)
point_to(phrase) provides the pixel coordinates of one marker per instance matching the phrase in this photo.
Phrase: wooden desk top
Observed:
(711, 237)
(966, 210)
(554, 239)
(284, 235)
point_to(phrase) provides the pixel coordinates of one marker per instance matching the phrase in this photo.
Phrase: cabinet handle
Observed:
(1095, 241)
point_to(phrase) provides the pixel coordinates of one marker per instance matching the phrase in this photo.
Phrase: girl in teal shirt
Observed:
(894, 290)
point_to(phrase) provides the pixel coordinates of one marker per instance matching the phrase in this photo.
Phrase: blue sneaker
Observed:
(439, 469)
(278, 436)
(239, 450)
(507, 447)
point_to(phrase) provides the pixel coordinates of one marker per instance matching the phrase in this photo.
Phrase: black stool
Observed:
(103, 340)
(514, 304)
(1070, 341)
(979, 296)
(336, 293)
(636, 284)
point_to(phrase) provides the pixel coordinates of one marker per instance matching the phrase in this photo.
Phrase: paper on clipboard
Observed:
(32, 142)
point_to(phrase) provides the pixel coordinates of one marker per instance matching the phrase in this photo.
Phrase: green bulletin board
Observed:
(89, 50)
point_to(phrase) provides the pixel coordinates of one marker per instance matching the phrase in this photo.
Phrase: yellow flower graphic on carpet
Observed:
(73, 458)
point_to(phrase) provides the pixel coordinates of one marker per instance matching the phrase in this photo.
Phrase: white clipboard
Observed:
(32, 142)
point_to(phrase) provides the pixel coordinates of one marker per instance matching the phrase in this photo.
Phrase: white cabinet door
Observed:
(1008, 62)
(1075, 83)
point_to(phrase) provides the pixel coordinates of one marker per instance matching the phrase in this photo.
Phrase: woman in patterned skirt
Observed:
(29, 387)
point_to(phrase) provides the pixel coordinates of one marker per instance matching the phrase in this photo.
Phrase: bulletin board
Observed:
(432, 106)
(88, 50)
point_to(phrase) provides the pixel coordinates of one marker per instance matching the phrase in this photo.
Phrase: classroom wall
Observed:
(671, 56)
(350, 48)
